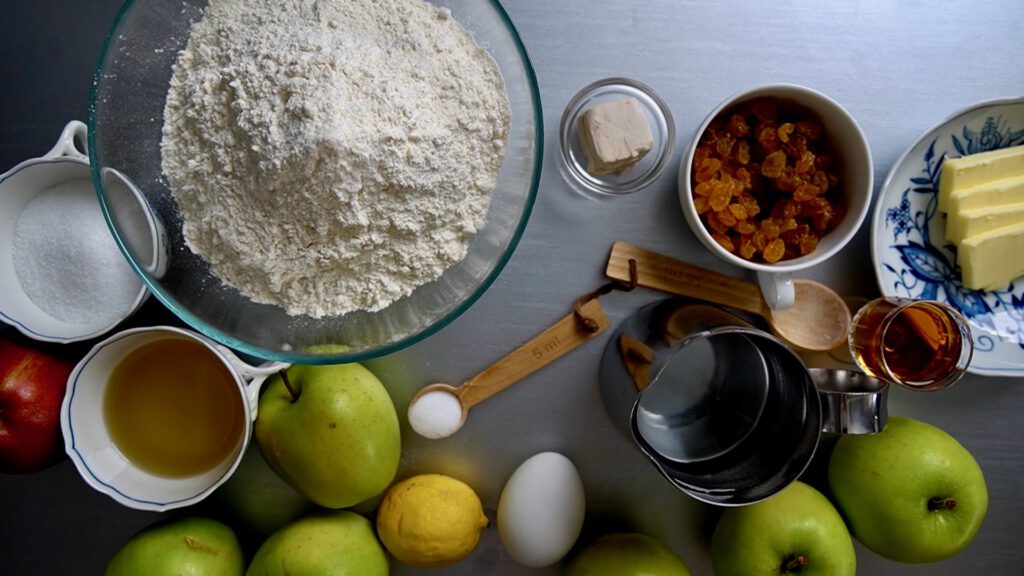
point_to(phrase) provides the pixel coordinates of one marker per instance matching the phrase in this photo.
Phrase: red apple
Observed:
(32, 384)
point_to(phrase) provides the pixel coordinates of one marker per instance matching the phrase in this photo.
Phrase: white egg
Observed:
(541, 509)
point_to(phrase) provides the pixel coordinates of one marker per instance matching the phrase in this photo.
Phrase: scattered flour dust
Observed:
(332, 155)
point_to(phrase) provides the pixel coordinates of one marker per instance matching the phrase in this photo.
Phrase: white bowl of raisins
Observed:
(777, 179)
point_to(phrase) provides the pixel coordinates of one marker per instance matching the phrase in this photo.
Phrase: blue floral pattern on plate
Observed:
(913, 259)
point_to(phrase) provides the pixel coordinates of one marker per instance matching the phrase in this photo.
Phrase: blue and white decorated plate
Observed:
(913, 259)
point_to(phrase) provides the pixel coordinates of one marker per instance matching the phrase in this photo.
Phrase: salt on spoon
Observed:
(439, 410)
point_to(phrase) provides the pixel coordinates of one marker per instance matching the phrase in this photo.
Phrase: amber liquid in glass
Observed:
(919, 345)
(173, 409)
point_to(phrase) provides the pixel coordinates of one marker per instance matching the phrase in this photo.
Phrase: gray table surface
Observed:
(899, 67)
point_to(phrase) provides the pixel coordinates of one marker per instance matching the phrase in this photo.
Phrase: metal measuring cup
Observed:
(728, 413)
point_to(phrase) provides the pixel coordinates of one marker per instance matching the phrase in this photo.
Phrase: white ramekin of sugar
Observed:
(62, 275)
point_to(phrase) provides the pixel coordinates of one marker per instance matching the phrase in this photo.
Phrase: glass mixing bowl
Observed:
(125, 121)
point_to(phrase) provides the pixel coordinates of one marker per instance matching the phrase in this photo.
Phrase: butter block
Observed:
(967, 223)
(614, 136)
(1005, 191)
(976, 169)
(989, 261)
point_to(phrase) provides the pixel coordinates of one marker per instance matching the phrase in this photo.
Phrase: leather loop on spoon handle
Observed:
(667, 274)
(551, 344)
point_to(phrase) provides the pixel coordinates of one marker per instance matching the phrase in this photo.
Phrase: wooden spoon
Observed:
(551, 344)
(818, 321)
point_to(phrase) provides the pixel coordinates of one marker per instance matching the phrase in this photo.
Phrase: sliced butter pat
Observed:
(614, 136)
(967, 223)
(975, 169)
(991, 260)
(1006, 191)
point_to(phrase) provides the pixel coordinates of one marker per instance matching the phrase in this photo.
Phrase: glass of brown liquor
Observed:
(919, 344)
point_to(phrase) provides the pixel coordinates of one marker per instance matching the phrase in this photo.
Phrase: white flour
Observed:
(330, 156)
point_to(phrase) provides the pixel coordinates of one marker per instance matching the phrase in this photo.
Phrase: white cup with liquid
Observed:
(150, 461)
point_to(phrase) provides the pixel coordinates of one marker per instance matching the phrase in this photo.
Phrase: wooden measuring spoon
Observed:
(551, 344)
(818, 321)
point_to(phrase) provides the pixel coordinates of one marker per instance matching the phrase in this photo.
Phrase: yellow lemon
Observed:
(430, 520)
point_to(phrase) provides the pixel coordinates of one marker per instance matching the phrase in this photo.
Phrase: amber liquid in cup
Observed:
(173, 408)
(922, 345)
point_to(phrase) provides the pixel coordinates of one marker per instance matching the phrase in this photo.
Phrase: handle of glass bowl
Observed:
(74, 132)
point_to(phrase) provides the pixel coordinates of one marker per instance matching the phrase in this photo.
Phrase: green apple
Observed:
(911, 493)
(796, 531)
(626, 554)
(330, 543)
(258, 499)
(193, 546)
(330, 431)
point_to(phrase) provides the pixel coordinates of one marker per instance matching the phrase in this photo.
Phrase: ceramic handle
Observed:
(777, 289)
(677, 277)
(65, 146)
(254, 376)
(551, 344)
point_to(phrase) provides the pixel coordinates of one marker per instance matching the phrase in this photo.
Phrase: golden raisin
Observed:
(785, 130)
(807, 244)
(724, 241)
(745, 227)
(770, 228)
(716, 224)
(750, 203)
(700, 203)
(720, 197)
(724, 145)
(768, 138)
(820, 179)
(812, 130)
(805, 163)
(743, 175)
(823, 221)
(727, 218)
(759, 241)
(734, 185)
(706, 169)
(738, 211)
(796, 146)
(774, 251)
(747, 249)
(787, 181)
(743, 152)
(805, 192)
(738, 126)
(773, 164)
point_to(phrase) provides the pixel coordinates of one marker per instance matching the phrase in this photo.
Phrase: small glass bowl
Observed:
(643, 173)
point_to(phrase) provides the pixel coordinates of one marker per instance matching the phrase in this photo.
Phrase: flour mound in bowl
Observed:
(331, 156)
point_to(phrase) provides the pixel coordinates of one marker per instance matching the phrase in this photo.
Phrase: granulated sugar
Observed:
(332, 156)
(66, 260)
